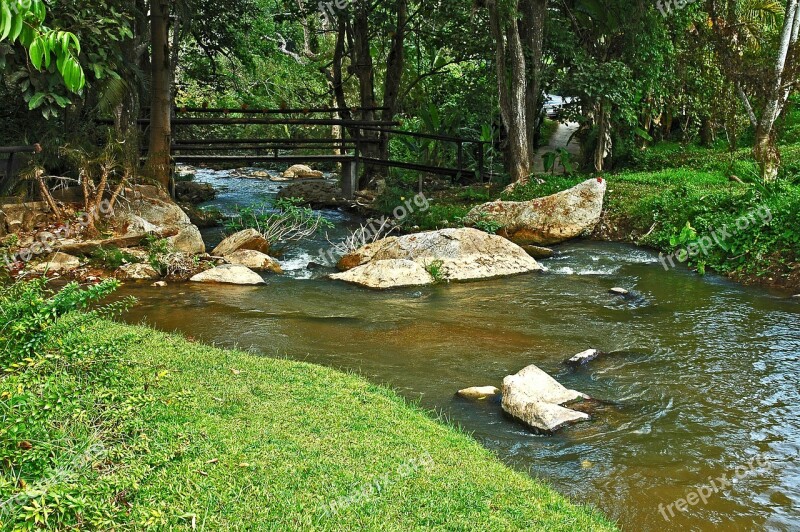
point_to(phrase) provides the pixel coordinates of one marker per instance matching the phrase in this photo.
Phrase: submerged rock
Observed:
(137, 272)
(301, 171)
(194, 193)
(316, 193)
(255, 260)
(390, 273)
(538, 252)
(229, 274)
(478, 392)
(535, 398)
(58, 263)
(549, 220)
(583, 357)
(448, 255)
(246, 239)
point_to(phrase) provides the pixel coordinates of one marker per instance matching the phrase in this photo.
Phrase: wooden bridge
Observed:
(352, 151)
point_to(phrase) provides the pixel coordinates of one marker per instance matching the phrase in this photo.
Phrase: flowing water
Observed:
(701, 382)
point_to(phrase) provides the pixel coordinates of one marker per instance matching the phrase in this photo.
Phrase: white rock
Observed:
(59, 263)
(301, 171)
(534, 397)
(137, 272)
(458, 254)
(255, 260)
(391, 273)
(159, 284)
(619, 291)
(245, 239)
(229, 274)
(549, 220)
(583, 357)
(479, 392)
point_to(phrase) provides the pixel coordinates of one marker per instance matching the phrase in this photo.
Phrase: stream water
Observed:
(702, 378)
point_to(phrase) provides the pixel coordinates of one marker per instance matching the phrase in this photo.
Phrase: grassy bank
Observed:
(112, 426)
(673, 197)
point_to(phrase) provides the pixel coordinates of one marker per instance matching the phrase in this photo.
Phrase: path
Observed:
(559, 140)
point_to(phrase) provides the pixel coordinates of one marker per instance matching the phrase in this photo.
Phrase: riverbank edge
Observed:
(291, 445)
(619, 227)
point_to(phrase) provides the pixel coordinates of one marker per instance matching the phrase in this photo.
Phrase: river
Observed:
(702, 376)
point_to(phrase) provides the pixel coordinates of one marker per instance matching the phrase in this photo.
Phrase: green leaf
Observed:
(36, 101)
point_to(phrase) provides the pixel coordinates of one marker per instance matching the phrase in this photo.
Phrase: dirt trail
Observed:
(558, 140)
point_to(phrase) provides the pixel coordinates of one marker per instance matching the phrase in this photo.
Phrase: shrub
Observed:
(282, 221)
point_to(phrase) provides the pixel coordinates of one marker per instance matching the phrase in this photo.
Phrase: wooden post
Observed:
(349, 178)
(480, 161)
(460, 160)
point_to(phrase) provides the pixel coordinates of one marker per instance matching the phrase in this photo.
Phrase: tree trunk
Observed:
(706, 132)
(534, 15)
(512, 85)
(158, 159)
(394, 72)
(766, 154)
(603, 147)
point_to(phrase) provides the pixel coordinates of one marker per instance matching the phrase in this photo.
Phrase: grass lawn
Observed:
(194, 436)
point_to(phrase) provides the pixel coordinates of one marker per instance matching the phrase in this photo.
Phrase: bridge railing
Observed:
(349, 151)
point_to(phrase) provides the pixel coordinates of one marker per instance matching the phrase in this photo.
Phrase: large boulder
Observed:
(150, 210)
(301, 171)
(245, 239)
(255, 260)
(229, 274)
(316, 193)
(535, 398)
(390, 273)
(455, 255)
(549, 220)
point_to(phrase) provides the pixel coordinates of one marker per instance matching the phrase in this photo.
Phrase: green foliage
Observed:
(22, 21)
(435, 269)
(282, 221)
(111, 258)
(488, 226)
(563, 157)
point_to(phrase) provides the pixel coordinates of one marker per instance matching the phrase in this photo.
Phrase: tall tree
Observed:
(518, 30)
(760, 58)
(158, 158)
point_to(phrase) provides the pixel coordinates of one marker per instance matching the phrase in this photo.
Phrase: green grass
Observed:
(225, 440)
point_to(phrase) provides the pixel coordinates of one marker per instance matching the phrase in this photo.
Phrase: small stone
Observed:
(583, 358)
(159, 284)
(796, 296)
(619, 291)
(478, 392)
